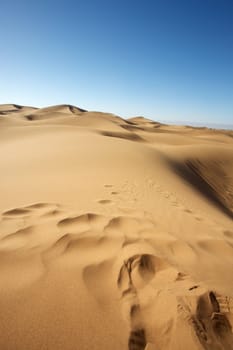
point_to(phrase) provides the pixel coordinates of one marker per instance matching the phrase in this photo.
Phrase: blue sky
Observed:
(164, 59)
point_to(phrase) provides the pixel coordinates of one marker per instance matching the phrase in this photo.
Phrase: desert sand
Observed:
(114, 233)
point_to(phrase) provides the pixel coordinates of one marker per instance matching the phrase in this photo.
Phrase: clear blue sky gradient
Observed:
(164, 59)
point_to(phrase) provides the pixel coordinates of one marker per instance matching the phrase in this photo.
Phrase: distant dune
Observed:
(114, 233)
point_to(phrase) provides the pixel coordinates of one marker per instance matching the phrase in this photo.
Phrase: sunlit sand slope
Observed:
(114, 234)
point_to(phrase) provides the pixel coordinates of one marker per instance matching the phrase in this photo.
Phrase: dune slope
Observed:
(114, 234)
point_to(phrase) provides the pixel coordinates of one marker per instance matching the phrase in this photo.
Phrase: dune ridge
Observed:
(114, 233)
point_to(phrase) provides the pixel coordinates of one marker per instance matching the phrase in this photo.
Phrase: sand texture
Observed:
(114, 234)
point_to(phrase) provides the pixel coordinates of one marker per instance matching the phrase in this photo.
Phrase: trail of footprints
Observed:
(174, 201)
(210, 315)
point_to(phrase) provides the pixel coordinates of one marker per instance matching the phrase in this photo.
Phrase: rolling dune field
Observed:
(114, 233)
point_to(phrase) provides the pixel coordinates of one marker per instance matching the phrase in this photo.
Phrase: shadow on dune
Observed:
(53, 111)
(121, 135)
(76, 110)
(210, 179)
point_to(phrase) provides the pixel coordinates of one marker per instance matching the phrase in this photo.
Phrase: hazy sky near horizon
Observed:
(164, 59)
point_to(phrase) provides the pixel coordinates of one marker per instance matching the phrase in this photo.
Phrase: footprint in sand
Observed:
(137, 336)
(134, 275)
(138, 267)
(188, 211)
(209, 320)
(211, 325)
(104, 201)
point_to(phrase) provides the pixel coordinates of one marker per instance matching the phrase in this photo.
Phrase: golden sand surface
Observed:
(114, 233)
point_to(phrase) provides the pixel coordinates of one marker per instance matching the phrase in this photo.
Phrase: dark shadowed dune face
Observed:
(126, 136)
(209, 178)
(74, 109)
(8, 109)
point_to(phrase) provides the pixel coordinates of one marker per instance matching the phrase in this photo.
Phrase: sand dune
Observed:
(114, 234)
